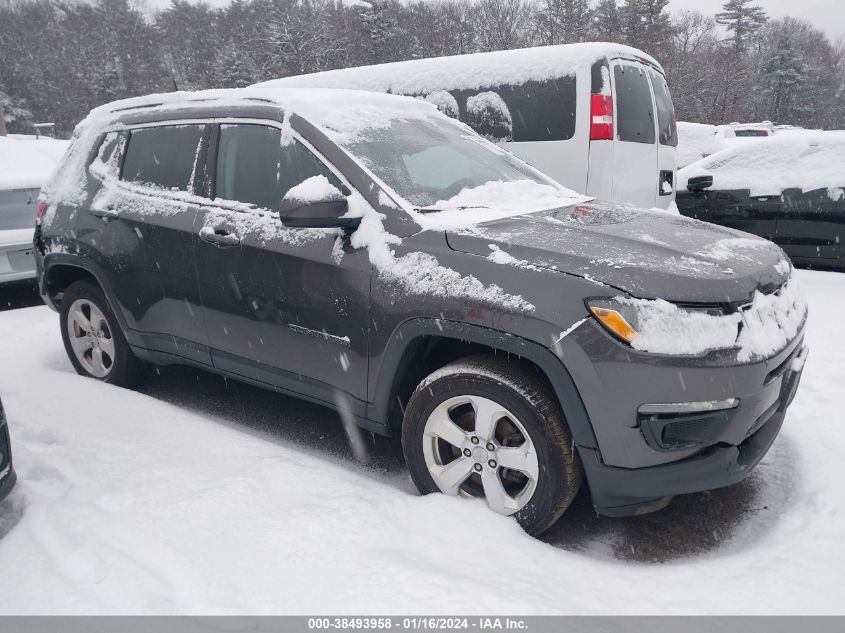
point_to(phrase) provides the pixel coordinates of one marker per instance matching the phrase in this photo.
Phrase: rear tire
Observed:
(507, 440)
(93, 340)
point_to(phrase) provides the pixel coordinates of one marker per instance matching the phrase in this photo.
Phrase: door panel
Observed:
(667, 140)
(153, 238)
(635, 160)
(283, 306)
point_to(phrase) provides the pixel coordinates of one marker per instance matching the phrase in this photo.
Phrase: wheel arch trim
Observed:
(553, 367)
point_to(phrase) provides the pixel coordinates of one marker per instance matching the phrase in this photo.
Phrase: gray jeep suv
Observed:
(365, 252)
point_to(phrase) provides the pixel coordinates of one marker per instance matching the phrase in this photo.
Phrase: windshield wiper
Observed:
(435, 210)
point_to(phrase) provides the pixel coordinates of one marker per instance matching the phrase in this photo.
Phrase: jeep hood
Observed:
(647, 254)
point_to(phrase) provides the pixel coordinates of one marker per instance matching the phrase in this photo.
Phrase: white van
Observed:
(597, 117)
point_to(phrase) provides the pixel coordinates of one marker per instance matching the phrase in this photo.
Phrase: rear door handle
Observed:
(219, 236)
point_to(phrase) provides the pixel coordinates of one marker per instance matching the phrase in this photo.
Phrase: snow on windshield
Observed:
(768, 166)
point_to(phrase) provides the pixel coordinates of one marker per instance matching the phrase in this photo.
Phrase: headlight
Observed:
(627, 318)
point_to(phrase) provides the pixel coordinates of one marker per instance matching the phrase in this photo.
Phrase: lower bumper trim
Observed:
(626, 491)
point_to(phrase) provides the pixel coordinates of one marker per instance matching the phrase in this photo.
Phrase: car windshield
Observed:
(428, 161)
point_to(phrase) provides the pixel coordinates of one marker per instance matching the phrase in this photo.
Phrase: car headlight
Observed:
(623, 317)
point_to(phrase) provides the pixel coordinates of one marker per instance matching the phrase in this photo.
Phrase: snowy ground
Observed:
(198, 496)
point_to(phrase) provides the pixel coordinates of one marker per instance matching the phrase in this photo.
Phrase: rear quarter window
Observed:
(530, 111)
(634, 110)
(164, 157)
(667, 130)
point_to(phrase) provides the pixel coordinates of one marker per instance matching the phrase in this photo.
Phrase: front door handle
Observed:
(109, 213)
(219, 236)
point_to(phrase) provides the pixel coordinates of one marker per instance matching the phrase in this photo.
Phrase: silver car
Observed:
(25, 163)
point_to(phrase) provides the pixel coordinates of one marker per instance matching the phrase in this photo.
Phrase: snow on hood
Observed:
(475, 71)
(766, 166)
(27, 162)
(647, 254)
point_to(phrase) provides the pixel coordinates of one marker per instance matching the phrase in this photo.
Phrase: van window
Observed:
(254, 167)
(668, 133)
(634, 111)
(163, 156)
(531, 111)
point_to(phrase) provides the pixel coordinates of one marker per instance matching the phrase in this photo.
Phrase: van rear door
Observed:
(635, 154)
(667, 140)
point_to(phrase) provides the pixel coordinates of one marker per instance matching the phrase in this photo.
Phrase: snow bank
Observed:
(767, 166)
(476, 71)
(130, 504)
(27, 162)
(767, 325)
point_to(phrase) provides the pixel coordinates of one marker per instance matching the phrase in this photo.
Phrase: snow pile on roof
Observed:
(768, 324)
(342, 114)
(26, 162)
(767, 166)
(479, 70)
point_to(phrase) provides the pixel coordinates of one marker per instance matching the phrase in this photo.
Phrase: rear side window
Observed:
(667, 131)
(164, 156)
(634, 111)
(107, 160)
(254, 167)
(531, 111)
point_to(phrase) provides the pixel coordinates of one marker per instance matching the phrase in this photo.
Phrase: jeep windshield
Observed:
(436, 164)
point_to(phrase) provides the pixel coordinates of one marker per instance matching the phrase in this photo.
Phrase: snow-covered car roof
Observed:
(26, 161)
(341, 113)
(767, 166)
(475, 71)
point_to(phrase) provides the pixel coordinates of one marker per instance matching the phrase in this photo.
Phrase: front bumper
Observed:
(630, 491)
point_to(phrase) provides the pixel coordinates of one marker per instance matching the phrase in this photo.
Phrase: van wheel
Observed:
(489, 427)
(93, 339)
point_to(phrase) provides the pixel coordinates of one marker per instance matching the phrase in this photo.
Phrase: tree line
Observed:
(60, 58)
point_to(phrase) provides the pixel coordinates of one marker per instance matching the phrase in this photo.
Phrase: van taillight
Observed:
(601, 118)
(39, 212)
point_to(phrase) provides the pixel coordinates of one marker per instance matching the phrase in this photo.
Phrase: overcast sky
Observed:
(828, 15)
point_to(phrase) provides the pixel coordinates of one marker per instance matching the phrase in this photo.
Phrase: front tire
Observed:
(93, 339)
(490, 427)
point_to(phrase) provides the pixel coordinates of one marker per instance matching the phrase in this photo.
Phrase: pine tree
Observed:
(742, 20)
(607, 25)
(563, 21)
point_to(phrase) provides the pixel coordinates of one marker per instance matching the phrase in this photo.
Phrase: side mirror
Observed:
(699, 183)
(316, 204)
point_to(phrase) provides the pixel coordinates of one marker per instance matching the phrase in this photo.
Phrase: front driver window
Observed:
(253, 166)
